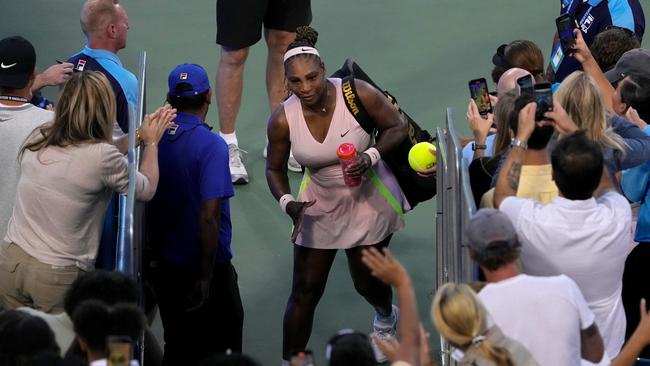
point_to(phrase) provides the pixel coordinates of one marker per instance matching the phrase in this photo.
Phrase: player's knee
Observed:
(279, 41)
(234, 57)
(307, 295)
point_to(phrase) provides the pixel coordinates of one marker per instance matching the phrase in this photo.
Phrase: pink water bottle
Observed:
(347, 154)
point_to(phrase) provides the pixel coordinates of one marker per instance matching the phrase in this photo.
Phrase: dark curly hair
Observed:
(609, 45)
(306, 36)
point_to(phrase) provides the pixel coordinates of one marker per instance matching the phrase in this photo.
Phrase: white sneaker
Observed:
(238, 172)
(293, 165)
(384, 331)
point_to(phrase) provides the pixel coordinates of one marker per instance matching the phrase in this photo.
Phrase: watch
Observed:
(476, 146)
(518, 143)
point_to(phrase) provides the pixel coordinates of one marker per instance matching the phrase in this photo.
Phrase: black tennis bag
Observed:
(416, 188)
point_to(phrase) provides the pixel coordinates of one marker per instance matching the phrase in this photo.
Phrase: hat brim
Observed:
(614, 76)
(14, 81)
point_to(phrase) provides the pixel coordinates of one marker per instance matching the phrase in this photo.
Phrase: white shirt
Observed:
(588, 240)
(545, 314)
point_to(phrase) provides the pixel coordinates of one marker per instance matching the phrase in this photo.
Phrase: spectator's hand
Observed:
(55, 75)
(633, 116)
(560, 120)
(155, 124)
(643, 329)
(390, 347)
(429, 172)
(385, 267)
(480, 126)
(426, 357)
(581, 51)
(526, 122)
(199, 295)
(296, 210)
(359, 167)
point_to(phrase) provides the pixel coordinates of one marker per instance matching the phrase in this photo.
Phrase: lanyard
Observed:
(13, 99)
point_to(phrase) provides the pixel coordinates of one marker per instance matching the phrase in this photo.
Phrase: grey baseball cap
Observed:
(490, 233)
(635, 61)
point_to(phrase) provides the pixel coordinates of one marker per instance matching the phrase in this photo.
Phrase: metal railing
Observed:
(455, 206)
(130, 236)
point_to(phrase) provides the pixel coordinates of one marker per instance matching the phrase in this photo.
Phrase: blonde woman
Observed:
(462, 320)
(624, 145)
(69, 169)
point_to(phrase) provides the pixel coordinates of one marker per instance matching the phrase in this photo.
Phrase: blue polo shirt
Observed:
(193, 164)
(593, 16)
(123, 82)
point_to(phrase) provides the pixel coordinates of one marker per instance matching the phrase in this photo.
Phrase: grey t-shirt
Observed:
(16, 123)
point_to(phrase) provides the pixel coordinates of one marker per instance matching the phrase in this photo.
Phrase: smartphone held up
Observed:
(543, 95)
(478, 91)
(565, 29)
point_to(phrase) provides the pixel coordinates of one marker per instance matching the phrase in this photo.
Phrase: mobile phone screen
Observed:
(544, 100)
(119, 351)
(565, 32)
(525, 84)
(478, 91)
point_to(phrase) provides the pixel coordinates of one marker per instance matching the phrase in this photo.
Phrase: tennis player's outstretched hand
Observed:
(296, 210)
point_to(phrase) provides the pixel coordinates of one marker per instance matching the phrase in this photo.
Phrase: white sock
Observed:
(231, 138)
(286, 363)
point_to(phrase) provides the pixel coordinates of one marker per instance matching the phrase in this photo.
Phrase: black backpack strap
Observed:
(354, 105)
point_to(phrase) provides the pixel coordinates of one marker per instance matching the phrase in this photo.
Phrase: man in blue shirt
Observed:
(106, 27)
(592, 17)
(194, 281)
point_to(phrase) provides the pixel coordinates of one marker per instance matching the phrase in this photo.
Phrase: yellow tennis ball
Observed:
(420, 156)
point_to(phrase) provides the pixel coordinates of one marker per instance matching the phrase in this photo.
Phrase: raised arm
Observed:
(386, 268)
(508, 180)
(591, 68)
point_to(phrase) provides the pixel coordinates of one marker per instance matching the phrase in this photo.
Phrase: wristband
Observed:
(373, 154)
(476, 146)
(284, 201)
(138, 137)
(518, 143)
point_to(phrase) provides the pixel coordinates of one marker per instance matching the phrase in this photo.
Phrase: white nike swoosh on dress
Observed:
(7, 66)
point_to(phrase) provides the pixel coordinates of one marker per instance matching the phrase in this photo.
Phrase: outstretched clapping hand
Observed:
(296, 210)
(155, 124)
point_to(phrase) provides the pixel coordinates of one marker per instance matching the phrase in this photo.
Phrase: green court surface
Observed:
(423, 51)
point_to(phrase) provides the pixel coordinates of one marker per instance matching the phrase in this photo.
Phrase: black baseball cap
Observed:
(17, 62)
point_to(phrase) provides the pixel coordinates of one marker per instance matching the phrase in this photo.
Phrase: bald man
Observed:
(106, 26)
(508, 80)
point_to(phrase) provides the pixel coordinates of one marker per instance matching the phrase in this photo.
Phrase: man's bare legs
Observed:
(277, 42)
(229, 84)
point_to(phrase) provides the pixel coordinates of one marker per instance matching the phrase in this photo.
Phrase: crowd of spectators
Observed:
(561, 237)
